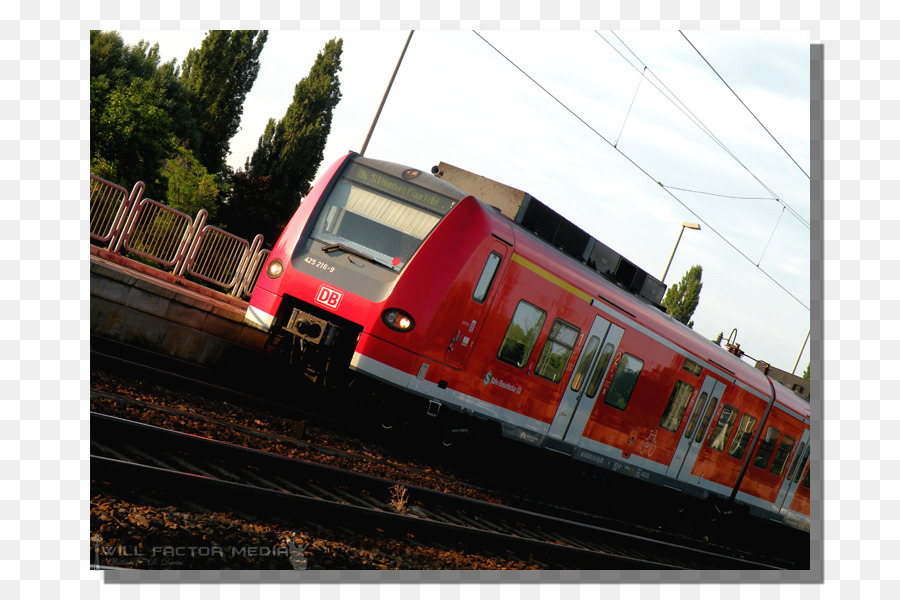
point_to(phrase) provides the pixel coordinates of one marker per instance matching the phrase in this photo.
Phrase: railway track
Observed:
(138, 458)
(730, 535)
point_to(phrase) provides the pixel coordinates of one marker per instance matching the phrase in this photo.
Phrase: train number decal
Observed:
(319, 264)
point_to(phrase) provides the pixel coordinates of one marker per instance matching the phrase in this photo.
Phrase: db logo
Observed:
(329, 297)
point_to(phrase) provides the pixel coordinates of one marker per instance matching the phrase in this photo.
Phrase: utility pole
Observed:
(794, 370)
(680, 233)
(384, 98)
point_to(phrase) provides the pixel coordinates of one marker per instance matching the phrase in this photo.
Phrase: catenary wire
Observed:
(745, 106)
(670, 95)
(672, 187)
(770, 237)
(642, 170)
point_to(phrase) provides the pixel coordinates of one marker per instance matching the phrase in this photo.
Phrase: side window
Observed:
(692, 367)
(623, 382)
(801, 465)
(742, 437)
(722, 428)
(487, 277)
(766, 446)
(781, 455)
(557, 350)
(698, 409)
(522, 334)
(587, 355)
(599, 370)
(796, 460)
(707, 415)
(678, 401)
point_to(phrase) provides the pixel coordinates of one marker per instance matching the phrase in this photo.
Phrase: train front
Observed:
(330, 274)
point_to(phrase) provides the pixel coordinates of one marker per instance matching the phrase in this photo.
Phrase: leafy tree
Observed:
(290, 150)
(137, 109)
(130, 132)
(240, 208)
(682, 298)
(806, 373)
(111, 58)
(217, 78)
(190, 187)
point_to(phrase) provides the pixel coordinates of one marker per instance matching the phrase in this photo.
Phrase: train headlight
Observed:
(275, 269)
(397, 319)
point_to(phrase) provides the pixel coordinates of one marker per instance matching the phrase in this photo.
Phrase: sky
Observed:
(627, 134)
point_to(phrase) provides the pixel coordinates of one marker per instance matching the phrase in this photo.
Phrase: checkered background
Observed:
(44, 347)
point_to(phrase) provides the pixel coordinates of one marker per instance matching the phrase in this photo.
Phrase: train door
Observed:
(695, 431)
(474, 308)
(578, 399)
(794, 477)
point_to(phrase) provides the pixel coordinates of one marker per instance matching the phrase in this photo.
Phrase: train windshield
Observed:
(378, 217)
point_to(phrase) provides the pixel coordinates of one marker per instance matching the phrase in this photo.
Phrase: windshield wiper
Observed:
(328, 249)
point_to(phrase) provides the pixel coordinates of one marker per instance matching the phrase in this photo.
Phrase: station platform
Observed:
(138, 305)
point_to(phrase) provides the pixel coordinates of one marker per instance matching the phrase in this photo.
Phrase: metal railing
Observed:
(109, 207)
(173, 239)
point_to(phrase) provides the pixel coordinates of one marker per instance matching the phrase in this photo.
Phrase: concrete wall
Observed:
(504, 197)
(202, 327)
(794, 382)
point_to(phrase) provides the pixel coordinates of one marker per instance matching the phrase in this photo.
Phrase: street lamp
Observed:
(680, 233)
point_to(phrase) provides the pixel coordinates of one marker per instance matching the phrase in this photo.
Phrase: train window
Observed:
(707, 415)
(806, 478)
(623, 382)
(796, 460)
(587, 355)
(557, 350)
(801, 465)
(698, 409)
(723, 427)
(487, 277)
(522, 334)
(742, 437)
(692, 367)
(599, 370)
(678, 401)
(766, 447)
(781, 455)
(383, 227)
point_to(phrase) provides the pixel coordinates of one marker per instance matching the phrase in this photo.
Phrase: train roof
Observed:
(787, 397)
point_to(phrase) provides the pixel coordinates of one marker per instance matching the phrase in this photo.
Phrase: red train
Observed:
(405, 279)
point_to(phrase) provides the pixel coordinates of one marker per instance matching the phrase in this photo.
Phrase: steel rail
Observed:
(205, 461)
(732, 535)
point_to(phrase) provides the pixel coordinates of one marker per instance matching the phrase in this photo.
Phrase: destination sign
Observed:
(401, 189)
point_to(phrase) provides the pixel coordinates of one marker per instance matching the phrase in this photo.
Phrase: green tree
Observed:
(290, 150)
(217, 78)
(113, 59)
(130, 133)
(239, 210)
(190, 187)
(682, 298)
(806, 373)
(137, 108)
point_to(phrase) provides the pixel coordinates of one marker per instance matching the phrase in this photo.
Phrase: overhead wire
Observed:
(802, 170)
(673, 98)
(630, 106)
(672, 187)
(770, 237)
(640, 168)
